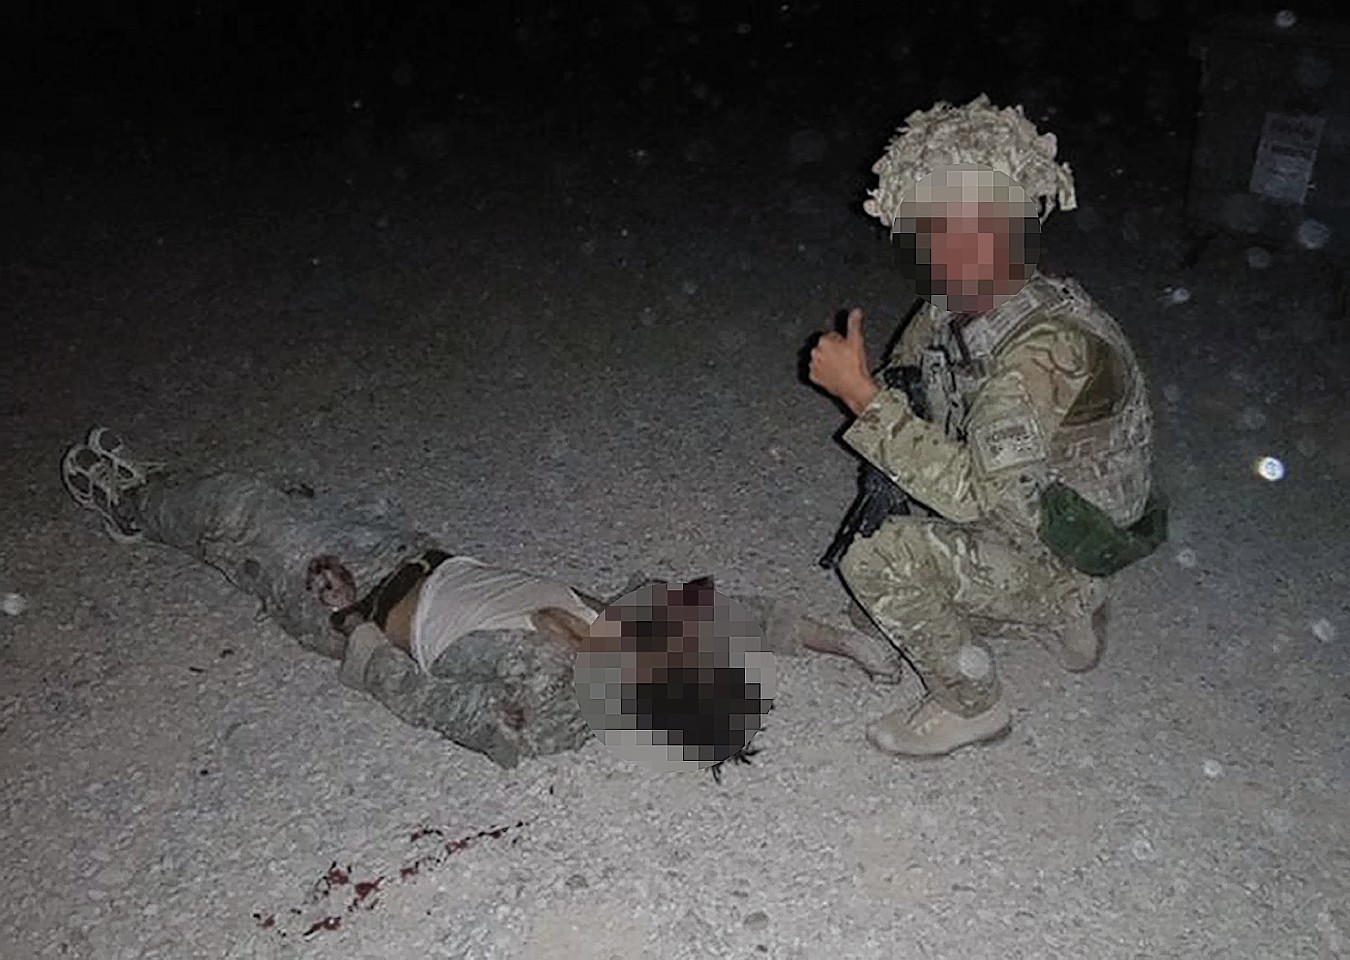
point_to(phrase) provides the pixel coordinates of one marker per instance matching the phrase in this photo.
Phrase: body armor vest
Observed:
(1103, 450)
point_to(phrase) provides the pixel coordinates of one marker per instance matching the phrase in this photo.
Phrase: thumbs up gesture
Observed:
(839, 365)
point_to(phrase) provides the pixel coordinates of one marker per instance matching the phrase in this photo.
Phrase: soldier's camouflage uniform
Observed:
(1043, 387)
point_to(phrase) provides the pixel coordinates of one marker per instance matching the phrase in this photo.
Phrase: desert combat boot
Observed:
(929, 729)
(1079, 644)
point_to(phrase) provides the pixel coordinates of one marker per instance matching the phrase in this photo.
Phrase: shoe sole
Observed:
(989, 741)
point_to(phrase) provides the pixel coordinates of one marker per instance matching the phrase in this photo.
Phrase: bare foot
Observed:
(331, 583)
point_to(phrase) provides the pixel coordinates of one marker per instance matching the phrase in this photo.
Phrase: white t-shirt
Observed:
(463, 595)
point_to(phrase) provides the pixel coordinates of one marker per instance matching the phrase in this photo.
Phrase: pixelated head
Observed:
(671, 676)
(967, 236)
(977, 135)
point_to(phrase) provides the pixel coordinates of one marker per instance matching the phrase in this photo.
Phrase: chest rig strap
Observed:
(962, 355)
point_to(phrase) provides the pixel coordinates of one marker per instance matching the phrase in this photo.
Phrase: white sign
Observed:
(1286, 156)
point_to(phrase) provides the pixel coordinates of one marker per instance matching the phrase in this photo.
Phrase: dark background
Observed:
(134, 84)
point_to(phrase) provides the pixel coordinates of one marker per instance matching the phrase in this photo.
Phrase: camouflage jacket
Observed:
(1044, 387)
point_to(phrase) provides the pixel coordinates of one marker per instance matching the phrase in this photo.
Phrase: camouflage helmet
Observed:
(979, 133)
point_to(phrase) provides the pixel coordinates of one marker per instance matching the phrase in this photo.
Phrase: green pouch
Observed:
(1084, 537)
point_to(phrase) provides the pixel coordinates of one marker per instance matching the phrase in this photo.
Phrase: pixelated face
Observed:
(972, 241)
(965, 242)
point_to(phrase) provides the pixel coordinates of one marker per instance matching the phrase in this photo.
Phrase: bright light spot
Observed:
(1313, 234)
(1270, 468)
(1286, 19)
(1213, 769)
(1324, 630)
(1174, 296)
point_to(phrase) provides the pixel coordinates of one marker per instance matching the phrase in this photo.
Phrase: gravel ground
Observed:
(584, 363)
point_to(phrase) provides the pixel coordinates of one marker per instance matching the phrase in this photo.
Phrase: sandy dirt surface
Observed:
(584, 362)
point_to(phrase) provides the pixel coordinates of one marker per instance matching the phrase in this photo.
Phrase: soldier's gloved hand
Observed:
(839, 365)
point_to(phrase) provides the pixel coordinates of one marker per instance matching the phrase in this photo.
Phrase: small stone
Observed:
(14, 604)
(1286, 19)
(1252, 419)
(1176, 296)
(1186, 557)
(1171, 393)
(1279, 820)
(1213, 769)
(757, 920)
(577, 881)
(1141, 849)
(1324, 630)
(1258, 258)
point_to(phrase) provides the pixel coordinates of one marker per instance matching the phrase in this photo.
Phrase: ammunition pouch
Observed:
(1085, 538)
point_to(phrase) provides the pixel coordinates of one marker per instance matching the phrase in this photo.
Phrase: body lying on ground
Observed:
(481, 654)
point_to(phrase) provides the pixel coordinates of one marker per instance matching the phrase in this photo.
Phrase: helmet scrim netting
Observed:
(1004, 140)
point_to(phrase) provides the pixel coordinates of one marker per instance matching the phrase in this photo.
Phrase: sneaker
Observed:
(99, 475)
(929, 729)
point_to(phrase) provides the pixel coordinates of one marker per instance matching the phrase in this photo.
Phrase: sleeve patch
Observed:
(1008, 443)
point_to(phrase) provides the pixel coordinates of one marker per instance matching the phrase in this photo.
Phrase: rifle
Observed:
(878, 497)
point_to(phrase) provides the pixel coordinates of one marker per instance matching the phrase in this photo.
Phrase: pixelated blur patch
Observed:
(675, 676)
(968, 237)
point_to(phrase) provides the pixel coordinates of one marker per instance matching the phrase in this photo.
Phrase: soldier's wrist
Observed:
(861, 398)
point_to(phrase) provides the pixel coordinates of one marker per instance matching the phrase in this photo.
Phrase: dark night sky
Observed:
(229, 75)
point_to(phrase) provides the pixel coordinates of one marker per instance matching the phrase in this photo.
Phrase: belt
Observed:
(376, 605)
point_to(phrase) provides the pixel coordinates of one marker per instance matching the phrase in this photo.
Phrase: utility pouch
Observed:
(1082, 535)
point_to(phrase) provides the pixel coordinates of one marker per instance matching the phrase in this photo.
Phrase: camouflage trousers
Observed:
(939, 589)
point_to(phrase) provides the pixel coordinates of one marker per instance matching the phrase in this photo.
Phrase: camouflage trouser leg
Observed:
(928, 582)
(262, 538)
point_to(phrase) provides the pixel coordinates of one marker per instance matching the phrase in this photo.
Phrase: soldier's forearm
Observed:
(930, 467)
